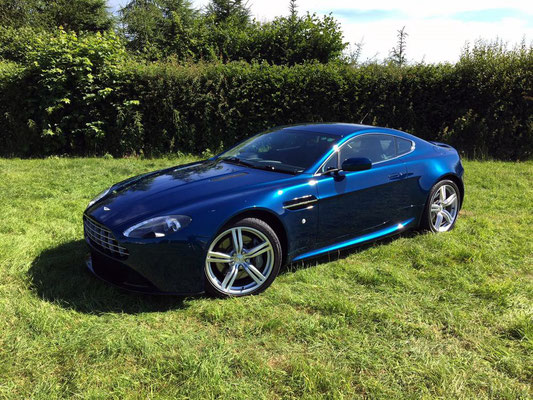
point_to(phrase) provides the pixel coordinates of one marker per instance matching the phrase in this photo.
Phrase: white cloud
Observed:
(413, 8)
(434, 40)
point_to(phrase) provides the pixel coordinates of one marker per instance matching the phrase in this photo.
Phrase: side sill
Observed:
(360, 239)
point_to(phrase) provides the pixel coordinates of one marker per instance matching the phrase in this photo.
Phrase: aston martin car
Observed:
(227, 224)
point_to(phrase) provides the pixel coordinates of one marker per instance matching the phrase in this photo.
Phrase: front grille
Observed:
(100, 237)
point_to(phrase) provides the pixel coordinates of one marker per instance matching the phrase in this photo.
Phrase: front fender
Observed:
(300, 225)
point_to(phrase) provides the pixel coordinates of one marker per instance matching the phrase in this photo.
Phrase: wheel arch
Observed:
(458, 181)
(449, 176)
(270, 218)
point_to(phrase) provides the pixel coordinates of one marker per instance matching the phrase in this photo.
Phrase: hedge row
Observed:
(85, 101)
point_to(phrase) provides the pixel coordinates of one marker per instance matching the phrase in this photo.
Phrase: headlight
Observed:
(158, 227)
(105, 192)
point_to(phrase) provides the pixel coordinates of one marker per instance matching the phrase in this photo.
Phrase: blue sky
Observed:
(437, 30)
(115, 4)
(355, 14)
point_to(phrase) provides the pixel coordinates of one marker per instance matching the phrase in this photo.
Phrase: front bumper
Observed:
(118, 274)
(154, 267)
(123, 276)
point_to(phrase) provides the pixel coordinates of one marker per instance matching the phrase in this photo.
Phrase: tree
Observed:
(75, 15)
(17, 13)
(80, 15)
(229, 11)
(158, 28)
(293, 9)
(397, 54)
(162, 28)
(297, 39)
(353, 53)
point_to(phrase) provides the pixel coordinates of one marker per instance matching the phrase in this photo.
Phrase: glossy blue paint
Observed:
(358, 240)
(364, 205)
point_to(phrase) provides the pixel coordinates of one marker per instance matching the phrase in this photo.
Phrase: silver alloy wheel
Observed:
(444, 208)
(239, 260)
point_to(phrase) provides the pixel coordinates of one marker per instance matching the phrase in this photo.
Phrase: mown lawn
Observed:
(419, 316)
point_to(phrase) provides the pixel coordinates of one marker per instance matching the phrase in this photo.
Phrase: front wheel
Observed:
(243, 259)
(442, 207)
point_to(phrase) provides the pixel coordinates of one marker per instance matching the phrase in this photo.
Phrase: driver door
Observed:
(355, 203)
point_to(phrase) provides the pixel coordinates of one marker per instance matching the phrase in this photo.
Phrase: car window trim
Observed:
(413, 146)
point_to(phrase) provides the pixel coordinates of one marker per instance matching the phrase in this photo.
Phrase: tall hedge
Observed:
(82, 96)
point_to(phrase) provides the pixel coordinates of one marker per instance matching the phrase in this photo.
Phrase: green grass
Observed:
(419, 316)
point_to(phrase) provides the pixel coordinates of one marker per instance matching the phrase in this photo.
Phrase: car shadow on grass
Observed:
(59, 275)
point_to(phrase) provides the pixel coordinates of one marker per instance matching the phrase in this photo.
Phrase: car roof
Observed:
(334, 128)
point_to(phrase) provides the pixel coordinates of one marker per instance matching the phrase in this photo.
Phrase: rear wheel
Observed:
(243, 259)
(442, 207)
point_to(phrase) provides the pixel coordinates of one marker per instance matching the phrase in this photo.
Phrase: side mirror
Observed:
(356, 164)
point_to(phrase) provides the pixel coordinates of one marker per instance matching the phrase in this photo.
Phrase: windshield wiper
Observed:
(238, 161)
(266, 167)
(270, 167)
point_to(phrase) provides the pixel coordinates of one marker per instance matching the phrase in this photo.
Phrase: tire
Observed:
(442, 208)
(228, 270)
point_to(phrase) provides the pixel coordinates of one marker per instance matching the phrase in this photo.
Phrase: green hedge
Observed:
(84, 96)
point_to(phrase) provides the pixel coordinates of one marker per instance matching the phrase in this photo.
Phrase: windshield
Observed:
(284, 150)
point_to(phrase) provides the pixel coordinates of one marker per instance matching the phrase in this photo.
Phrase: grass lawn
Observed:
(418, 316)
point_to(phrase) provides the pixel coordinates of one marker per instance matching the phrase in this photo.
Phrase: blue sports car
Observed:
(227, 224)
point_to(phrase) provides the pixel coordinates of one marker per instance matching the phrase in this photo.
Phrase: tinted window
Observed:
(285, 149)
(374, 147)
(403, 146)
(330, 164)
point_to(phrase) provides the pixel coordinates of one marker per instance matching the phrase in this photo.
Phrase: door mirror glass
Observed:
(356, 164)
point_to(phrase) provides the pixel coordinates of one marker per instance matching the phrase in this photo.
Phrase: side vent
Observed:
(300, 203)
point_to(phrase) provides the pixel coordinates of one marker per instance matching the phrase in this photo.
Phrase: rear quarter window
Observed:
(403, 146)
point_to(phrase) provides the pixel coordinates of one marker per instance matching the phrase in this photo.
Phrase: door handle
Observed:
(399, 175)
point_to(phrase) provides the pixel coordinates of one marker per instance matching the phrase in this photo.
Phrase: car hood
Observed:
(170, 189)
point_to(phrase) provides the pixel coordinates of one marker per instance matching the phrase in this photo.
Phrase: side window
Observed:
(351, 149)
(374, 147)
(388, 147)
(330, 164)
(403, 146)
(378, 147)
